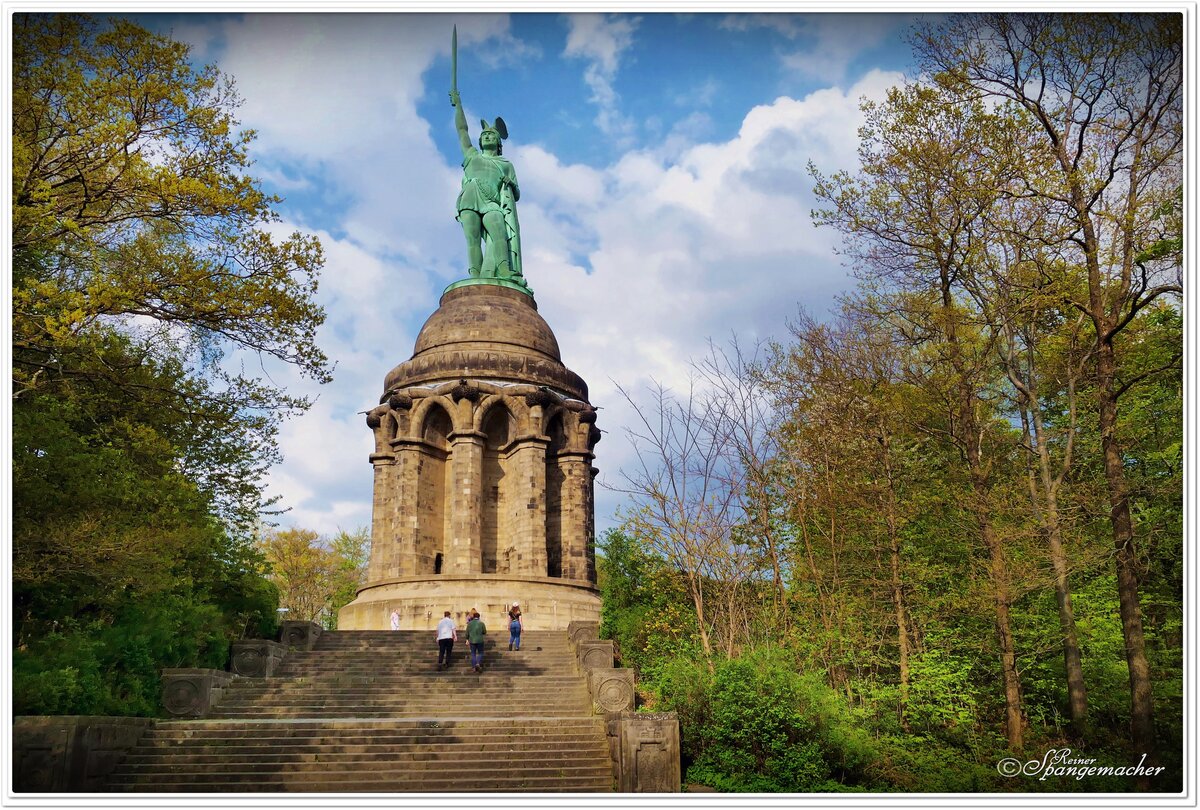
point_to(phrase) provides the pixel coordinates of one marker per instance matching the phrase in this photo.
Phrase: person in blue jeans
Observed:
(476, 630)
(514, 626)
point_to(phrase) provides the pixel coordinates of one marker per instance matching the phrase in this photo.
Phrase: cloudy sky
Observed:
(664, 193)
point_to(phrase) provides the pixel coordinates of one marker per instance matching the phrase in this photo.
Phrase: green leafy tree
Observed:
(1104, 93)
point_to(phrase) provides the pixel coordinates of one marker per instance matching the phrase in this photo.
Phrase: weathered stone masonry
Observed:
(483, 490)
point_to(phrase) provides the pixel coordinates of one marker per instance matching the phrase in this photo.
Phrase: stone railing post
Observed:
(71, 754)
(645, 751)
(256, 658)
(582, 631)
(611, 690)
(299, 635)
(593, 654)
(193, 692)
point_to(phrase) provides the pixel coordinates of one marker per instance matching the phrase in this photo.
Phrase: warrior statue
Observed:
(487, 203)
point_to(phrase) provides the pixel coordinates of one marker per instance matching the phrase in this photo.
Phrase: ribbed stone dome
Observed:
(486, 332)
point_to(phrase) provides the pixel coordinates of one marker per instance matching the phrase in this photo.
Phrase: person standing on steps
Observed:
(514, 626)
(476, 630)
(447, 634)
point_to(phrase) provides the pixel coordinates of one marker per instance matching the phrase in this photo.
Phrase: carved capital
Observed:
(542, 396)
(465, 390)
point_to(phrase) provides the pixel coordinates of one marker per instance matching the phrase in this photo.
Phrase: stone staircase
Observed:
(369, 711)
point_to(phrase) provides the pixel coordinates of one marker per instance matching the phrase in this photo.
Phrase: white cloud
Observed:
(827, 43)
(601, 40)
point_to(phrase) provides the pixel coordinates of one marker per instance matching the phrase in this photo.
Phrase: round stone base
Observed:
(546, 603)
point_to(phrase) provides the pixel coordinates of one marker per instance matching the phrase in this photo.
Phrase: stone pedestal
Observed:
(256, 658)
(71, 754)
(299, 635)
(193, 692)
(646, 754)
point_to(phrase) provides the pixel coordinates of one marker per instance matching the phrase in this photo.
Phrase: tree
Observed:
(303, 570)
(351, 551)
(133, 215)
(1105, 94)
(141, 259)
(933, 163)
(685, 491)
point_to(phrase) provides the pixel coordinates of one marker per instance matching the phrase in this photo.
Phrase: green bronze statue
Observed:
(487, 204)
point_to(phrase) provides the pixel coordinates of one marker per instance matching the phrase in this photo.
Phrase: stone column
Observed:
(405, 521)
(381, 565)
(529, 501)
(464, 503)
(576, 513)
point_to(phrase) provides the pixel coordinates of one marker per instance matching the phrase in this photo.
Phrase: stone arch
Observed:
(433, 425)
(498, 425)
(516, 409)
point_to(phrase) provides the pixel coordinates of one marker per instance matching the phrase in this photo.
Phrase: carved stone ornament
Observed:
(256, 658)
(543, 396)
(465, 390)
(400, 402)
(595, 654)
(587, 416)
(373, 420)
(299, 635)
(593, 435)
(192, 692)
(612, 690)
(583, 631)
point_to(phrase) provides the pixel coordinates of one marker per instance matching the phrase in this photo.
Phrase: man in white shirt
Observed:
(447, 634)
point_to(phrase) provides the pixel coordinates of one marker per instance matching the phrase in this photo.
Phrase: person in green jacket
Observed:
(476, 630)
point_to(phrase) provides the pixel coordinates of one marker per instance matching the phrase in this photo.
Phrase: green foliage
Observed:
(140, 257)
(755, 724)
(315, 576)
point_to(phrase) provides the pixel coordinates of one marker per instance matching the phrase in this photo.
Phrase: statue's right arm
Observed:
(460, 122)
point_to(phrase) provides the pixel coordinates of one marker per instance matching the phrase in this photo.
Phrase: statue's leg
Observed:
(495, 263)
(470, 224)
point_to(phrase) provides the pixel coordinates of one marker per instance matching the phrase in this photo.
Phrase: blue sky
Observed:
(665, 199)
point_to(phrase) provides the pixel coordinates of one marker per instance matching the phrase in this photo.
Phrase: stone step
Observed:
(376, 713)
(520, 783)
(449, 677)
(413, 759)
(442, 688)
(344, 772)
(367, 743)
(370, 711)
(543, 723)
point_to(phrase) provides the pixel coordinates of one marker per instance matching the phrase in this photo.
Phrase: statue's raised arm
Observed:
(487, 203)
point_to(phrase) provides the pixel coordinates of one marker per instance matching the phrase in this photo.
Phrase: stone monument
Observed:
(483, 492)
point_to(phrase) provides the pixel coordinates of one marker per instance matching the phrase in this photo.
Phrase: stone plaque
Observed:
(583, 631)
